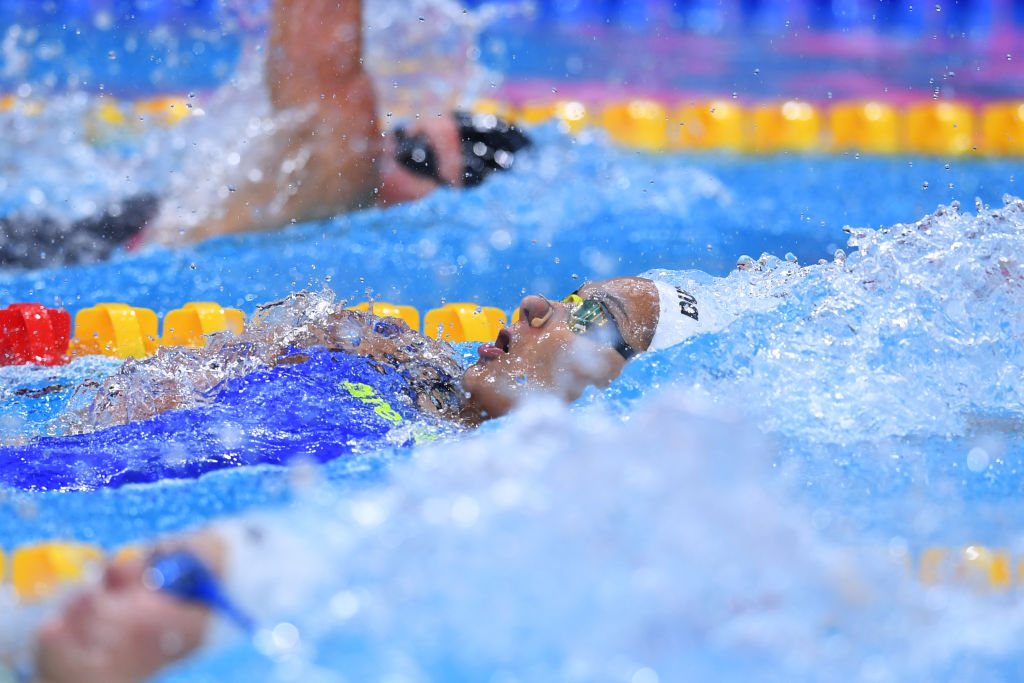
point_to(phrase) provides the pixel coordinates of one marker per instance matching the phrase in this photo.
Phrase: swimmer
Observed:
(325, 155)
(557, 346)
(130, 626)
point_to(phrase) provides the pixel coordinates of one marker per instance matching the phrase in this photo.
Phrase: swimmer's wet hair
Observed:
(489, 143)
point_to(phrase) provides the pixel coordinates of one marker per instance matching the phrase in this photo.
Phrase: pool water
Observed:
(752, 503)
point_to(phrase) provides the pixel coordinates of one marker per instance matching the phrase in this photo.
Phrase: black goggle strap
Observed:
(489, 144)
(589, 316)
(417, 155)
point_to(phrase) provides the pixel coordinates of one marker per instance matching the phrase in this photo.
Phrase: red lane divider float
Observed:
(33, 333)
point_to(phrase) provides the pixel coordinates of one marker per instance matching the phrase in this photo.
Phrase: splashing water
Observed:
(573, 545)
(916, 331)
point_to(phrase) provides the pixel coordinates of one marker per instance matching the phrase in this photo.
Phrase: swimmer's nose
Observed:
(535, 310)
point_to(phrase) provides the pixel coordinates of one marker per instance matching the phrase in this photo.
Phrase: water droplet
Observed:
(192, 266)
(977, 460)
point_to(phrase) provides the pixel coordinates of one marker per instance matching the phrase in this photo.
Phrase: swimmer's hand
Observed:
(124, 630)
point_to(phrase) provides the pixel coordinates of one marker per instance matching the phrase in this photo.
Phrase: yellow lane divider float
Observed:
(122, 331)
(713, 124)
(186, 326)
(37, 571)
(943, 128)
(464, 323)
(872, 126)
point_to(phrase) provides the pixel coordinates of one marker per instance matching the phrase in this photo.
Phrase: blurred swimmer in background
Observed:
(326, 153)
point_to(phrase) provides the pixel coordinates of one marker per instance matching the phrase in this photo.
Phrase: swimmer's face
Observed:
(400, 184)
(541, 354)
(118, 631)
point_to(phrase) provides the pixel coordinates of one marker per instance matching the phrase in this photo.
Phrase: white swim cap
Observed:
(678, 318)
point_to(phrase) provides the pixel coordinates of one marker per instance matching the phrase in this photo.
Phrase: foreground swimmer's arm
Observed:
(205, 589)
(125, 629)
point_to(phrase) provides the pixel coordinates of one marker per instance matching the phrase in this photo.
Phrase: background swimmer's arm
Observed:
(315, 48)
(323, 157)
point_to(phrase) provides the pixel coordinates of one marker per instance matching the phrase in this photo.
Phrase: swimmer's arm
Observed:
(159, 628)
(315, 51)
(322, 156)
(265, 565)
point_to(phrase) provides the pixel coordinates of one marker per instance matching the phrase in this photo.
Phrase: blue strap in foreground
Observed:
(184, 576)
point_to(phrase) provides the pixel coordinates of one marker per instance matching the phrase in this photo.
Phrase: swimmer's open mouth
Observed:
(498, 348)
(504, 339)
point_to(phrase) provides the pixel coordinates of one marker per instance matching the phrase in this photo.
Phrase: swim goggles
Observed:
(415, 154)
(590, 317)
(184, 576)
(489, 143)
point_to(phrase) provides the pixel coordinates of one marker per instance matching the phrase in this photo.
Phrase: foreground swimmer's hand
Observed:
(124, 630)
